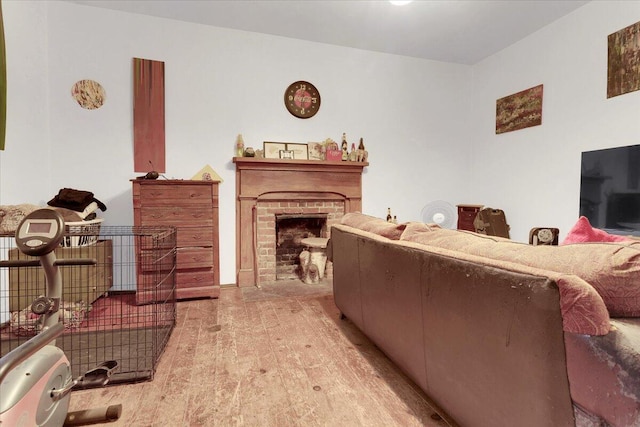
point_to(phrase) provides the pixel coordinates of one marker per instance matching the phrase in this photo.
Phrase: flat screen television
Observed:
(610, 189)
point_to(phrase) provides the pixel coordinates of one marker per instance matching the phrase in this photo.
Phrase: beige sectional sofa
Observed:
(497, 333)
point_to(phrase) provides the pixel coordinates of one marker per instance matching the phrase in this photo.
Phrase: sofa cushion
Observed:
(613, 269)
(583, 232)
(582, 308)
(373, 224)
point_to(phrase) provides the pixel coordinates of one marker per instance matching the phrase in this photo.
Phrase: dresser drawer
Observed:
(195, 278)
(177, 216)
(162, 195)
(195, 236)
(155, 260)
(194, 258)
(467, 216)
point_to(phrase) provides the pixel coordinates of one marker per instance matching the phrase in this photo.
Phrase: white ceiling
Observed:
(459, 31)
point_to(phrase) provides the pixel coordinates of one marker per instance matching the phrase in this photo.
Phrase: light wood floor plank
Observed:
(276, 356)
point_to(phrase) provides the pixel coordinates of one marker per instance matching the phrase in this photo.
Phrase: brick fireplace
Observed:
(277, 257)
(290, 231)
(271, 188)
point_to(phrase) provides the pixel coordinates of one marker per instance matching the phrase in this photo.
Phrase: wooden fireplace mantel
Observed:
(259, 179)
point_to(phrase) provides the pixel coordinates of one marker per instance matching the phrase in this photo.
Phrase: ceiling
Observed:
(458, 31)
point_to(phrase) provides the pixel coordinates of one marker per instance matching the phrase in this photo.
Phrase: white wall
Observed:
(413, 114)
(534, 174)
(429, 126)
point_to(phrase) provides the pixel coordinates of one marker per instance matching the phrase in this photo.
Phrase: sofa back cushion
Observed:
(582, 308)
(373, 224)
(613, 269)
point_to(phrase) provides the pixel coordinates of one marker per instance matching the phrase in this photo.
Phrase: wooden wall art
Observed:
(3, 84)
(520, 110)
(89, 94)
(623, 65)
(148, 115)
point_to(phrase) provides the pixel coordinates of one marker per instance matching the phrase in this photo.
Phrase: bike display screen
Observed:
(39, 227)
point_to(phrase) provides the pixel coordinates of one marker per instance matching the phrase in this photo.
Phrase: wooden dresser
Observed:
(191, 207)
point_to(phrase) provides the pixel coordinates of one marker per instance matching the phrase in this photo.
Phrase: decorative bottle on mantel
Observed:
(362, 155)
(239, 146)
(353, 154)
(345, 148)
(389, 217)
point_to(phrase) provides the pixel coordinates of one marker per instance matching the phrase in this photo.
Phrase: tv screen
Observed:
(610, 189)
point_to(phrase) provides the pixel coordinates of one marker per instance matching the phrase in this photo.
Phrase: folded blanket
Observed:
(76, 200)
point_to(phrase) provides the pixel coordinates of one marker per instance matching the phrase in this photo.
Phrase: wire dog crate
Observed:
(120, 308)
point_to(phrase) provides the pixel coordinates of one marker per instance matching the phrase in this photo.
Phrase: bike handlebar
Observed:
(36, 262)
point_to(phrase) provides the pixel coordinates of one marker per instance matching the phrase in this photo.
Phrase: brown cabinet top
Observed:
(173, 182)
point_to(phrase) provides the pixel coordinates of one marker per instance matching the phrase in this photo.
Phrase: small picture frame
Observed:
(300, 151)
(315, 150)
(272, 149)
(286, 154)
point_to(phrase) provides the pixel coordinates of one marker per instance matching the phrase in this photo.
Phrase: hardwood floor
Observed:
(276, 356)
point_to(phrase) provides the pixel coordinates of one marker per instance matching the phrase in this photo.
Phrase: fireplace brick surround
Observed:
(267, 187)
(266, 229)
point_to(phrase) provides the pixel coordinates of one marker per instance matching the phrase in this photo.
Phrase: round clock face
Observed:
(545, 235)
(302, 99)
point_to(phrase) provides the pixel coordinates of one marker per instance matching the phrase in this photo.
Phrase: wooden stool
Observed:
(317, 250)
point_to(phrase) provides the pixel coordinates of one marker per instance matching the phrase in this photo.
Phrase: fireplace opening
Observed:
(290, 230)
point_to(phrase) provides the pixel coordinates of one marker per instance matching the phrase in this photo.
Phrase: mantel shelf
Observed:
(286, 162)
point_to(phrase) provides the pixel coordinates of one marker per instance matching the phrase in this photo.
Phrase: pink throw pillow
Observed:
(583, 232)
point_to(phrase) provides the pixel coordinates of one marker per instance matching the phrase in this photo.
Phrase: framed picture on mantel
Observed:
(300, 151)
(272, 149)
(285, 150)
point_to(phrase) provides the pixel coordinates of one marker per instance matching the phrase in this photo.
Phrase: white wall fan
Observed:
(439, 212)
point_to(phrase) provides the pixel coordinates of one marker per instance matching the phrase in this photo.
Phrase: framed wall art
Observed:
(272, 149)
(286, 154)
(315, 150)
(623, 67)
(520, 110)
(300, 151)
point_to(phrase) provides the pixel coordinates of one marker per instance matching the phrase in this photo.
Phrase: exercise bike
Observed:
(35, 378)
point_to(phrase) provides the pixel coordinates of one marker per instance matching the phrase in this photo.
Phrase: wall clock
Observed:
(544, 236)
(302, 99)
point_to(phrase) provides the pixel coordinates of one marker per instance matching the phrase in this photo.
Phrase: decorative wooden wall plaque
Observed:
(3, 84)
(148, 115)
